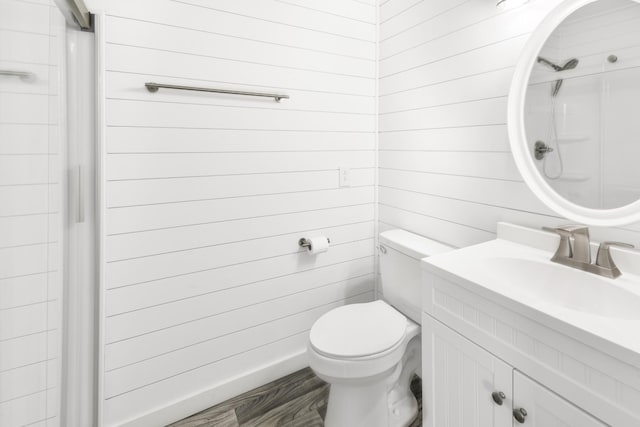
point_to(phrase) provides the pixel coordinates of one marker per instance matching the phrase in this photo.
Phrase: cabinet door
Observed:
(459, 379)
(544, 408)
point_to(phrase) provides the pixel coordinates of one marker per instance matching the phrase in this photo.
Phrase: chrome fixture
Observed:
(154, 87)
(574, 244)
(498, 397)
(520, 414)
(612, 58)
(76, 12)
(540, 149)
(306, 243)
(557, 87)
(574, 251)
(604, 260)
(570, 65)
(24, 75)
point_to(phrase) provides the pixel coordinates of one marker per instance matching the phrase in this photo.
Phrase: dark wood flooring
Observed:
(297, 400)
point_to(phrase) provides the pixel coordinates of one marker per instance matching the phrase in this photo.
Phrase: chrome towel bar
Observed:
(24, 75)
(154, 87)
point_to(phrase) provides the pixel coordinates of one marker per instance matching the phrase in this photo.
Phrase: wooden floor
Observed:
(297, 400)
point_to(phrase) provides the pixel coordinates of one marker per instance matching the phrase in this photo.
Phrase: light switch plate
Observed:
(345, 177)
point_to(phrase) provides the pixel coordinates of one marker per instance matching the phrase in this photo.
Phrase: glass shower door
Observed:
(31, 212)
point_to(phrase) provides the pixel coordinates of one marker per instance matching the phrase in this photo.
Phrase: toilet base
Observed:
(384, 400)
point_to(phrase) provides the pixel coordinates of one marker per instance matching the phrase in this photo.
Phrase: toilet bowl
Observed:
(369, 378)
(369, 352)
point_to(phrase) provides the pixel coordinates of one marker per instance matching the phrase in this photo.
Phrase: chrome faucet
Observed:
(574, 251)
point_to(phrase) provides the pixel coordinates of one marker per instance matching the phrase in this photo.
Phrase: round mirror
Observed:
(574, 111)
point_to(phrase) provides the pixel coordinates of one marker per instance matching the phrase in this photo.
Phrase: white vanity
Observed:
(510, 338)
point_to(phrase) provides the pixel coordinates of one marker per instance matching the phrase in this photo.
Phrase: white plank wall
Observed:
(30, 225)
(446, 169)
(207, 195)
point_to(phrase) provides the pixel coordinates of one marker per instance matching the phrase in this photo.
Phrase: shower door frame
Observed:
(79, 352)
(81, 279)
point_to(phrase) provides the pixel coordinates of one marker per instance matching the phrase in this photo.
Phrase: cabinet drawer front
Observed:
(459, 378)
(544, 408)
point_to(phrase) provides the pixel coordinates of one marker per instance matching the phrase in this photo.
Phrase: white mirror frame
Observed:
(518, 137)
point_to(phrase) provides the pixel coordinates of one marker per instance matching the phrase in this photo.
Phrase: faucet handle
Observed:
(604, 260)
(564, 248)
(606, 245)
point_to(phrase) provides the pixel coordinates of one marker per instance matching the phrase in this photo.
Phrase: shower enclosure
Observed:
(46, 226)
(580, 114)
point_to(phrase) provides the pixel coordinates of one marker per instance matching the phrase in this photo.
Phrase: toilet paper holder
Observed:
(305, 243)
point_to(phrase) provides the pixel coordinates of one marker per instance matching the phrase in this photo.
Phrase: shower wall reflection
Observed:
(582, 105)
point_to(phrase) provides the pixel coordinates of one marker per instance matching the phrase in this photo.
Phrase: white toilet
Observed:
(369, 352)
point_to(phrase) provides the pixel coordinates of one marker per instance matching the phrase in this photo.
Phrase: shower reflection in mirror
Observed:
(581, 107)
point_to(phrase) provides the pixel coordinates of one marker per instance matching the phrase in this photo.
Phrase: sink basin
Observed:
(561, 286)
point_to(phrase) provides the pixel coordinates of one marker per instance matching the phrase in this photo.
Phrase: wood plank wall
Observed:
(446, 169)
(207, 195)
(30, 219)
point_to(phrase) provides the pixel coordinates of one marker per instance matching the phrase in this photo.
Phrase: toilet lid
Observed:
(358, 330)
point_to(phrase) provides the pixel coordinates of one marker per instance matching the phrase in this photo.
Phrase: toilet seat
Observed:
(358, 331)
(356, 361)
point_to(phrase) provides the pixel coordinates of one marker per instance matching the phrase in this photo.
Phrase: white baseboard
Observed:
(220, 392)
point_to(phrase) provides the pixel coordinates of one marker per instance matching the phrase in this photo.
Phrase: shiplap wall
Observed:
(446, 169)
(30, 225)
(207, 195)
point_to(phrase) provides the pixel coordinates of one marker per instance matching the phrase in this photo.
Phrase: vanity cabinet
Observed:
(562, 343)
(467, 386)
(545, 408)
(459, 379)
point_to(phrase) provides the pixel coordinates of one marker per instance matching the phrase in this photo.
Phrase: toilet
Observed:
(369, 352)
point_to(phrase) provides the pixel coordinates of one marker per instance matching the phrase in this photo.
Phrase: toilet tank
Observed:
(400, 271)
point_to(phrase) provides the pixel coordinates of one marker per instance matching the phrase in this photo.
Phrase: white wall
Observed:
(446, 169)
(30, 218)
(206, 292)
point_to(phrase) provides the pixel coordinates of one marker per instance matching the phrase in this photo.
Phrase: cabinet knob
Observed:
(520, 414)
(498, 397)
